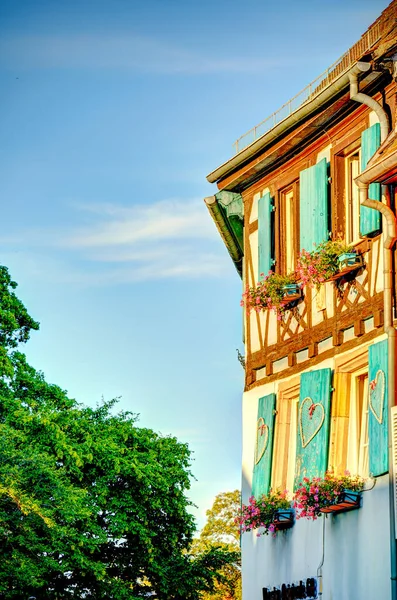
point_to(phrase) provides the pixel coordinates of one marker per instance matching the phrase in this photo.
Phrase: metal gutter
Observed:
(301, 113)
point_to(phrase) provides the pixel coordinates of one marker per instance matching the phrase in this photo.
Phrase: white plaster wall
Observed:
(254, 211)
(373, 118)
(356, 561)
(324, 153)
(357, 558)
(254, 242)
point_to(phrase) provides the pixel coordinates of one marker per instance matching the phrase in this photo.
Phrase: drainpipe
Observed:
(359, 68)
(389, 228)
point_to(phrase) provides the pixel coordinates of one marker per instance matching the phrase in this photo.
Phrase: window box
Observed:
(347, 500)
(291, 290)
(292, 293)
(349, 260)
(283, 518)
(328, 494)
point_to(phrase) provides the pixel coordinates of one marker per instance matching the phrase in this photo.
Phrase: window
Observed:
(288, 229)
(357, 455)
(284, 450)
(349, 418)
(345, 197)
(352, 170)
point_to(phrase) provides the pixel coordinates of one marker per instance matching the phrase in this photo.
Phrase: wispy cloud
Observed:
(120, 226)
(133, 52)
(118, 244)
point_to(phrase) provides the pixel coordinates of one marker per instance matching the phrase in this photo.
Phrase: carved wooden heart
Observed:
(311, 419)
(262, 438)
(377, 395)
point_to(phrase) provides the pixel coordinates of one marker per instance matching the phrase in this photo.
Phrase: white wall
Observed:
(356, 562)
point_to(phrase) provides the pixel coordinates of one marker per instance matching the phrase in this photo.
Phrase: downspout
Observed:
(389, 229)
(390, 221)
(359, 68)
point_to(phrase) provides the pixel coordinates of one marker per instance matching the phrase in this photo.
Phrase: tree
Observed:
(91, 506)
(222, 532)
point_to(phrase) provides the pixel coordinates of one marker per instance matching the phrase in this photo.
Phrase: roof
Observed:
(379, 38)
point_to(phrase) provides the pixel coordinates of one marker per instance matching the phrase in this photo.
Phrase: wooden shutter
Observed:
(313, 186)
(265, 262)
(369, 217)
(339, 435)
(378, 408)
(263, 451)
(313, 424)
(394, 447)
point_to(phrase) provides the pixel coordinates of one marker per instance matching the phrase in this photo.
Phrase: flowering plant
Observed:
(319, 492)
(260, 513)
(268, 293)
(320, 264)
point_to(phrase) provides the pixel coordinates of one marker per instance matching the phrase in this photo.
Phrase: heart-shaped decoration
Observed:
(377, 395)
(262, 438)
(311, 419)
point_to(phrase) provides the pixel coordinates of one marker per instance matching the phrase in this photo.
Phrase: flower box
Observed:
(268, 513)
(328, 494)
(349, 260)
(283, 518)
(347, 500)
(292, 291)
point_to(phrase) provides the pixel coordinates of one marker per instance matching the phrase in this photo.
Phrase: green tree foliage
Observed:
(221, 532)
(91, 506)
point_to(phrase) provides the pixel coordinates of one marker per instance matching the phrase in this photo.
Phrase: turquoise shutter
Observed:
(263, 445)
(265, 208)
(378, 412)
(313, 424)
(313, 205)
(370, 142)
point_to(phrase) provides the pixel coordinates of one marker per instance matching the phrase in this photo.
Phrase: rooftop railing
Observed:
(314, 88)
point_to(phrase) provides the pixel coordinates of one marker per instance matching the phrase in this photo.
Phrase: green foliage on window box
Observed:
(314, 495)
(271, 292)
(261, 513)
(321, 264)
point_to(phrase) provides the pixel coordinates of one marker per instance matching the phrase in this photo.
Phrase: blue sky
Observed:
(113, 112)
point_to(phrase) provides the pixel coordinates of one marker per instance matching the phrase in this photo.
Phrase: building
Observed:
(320, 377)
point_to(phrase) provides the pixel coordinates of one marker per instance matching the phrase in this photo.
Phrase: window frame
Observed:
(285, 437)
(354, 366)
(339, 188)
(280, 238)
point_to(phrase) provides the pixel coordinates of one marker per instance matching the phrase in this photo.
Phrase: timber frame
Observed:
(346, 311)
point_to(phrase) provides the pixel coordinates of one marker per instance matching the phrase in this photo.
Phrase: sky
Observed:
(112, 114)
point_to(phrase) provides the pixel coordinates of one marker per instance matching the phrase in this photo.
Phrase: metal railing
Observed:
(314, 88)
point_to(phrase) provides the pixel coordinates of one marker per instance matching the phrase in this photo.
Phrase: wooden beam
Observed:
(378, 318)
(359, 328)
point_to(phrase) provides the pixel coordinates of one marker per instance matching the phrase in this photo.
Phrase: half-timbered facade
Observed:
(320, 374)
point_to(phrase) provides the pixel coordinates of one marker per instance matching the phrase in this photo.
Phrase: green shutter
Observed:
(378, 412)
(313, 424)
(313, 205)
(369, 217)
(265, 208)
(263, 452)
